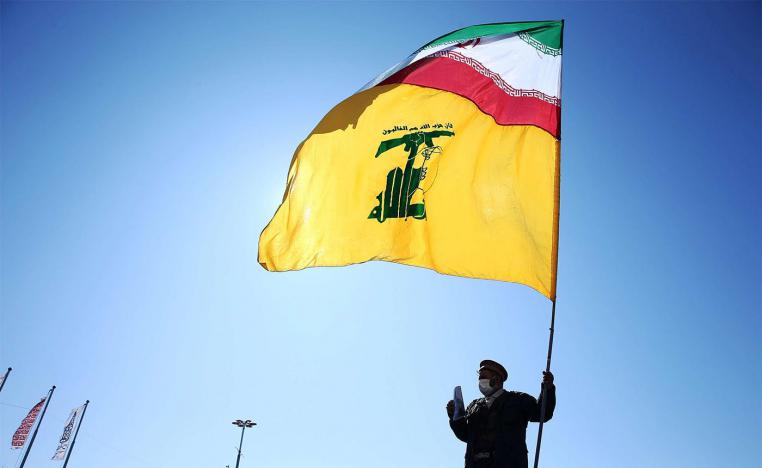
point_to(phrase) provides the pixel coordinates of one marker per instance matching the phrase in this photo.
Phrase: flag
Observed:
(448, 160)
(65, 441)
(19, 437)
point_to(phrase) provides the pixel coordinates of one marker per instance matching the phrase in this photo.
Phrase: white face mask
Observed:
(485, 387)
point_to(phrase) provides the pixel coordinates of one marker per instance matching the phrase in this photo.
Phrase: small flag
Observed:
(68, 432)
(4, 378)
(19, 437)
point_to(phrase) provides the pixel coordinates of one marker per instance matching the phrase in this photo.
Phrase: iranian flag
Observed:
(511, 71)
(448, 160)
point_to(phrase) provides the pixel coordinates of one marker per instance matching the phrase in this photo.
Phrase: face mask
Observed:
(485, 387)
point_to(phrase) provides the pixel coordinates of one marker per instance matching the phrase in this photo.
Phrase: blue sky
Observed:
(145, 146)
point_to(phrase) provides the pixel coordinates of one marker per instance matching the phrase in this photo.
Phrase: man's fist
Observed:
(450, 408)
(547, 379)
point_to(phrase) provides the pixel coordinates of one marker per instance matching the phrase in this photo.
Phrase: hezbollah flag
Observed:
(448, 160)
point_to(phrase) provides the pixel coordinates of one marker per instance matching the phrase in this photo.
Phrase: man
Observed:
(494, 427)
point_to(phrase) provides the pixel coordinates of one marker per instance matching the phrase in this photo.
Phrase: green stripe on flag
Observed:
(546, 33)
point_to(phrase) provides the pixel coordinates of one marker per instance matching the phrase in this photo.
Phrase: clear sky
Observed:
(145, 146)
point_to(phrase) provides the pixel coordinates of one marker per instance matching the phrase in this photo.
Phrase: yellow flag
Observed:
(433, 165)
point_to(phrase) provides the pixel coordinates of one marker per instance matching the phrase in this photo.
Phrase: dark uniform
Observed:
(496, 434)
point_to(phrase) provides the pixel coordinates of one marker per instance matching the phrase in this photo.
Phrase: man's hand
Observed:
(547, 379)
(450, 408)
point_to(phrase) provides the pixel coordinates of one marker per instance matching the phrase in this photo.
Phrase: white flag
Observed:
(68, 433)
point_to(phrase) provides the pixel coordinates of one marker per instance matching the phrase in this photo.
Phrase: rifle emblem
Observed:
(405, 189)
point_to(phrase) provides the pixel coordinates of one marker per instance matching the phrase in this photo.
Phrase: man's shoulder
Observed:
(471, 408)
(517, 396)
(475, 403)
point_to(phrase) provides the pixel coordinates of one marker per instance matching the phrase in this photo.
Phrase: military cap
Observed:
(495, 367)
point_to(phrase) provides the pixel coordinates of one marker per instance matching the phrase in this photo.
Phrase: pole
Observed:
(238, 460)
(34, 434)
(556, 216)
(5, 377)
(542, 392)
(71, 447)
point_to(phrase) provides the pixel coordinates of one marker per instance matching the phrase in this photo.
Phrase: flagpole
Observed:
(71, 447)
(5, 377)
(543, 392)
(34, 434)
(556, 219)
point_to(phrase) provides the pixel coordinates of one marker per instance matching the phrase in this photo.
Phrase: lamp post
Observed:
(243, 425)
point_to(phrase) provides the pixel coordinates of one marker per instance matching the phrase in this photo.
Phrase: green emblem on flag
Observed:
(403, 195)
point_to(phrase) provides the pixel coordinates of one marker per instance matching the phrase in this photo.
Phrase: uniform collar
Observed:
(491, 399)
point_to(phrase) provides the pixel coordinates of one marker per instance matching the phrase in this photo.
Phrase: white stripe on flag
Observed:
(516, 62)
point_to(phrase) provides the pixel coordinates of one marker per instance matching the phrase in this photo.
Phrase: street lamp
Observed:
(243, 425)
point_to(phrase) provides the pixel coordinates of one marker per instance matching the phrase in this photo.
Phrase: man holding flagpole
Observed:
(494, 427)
(449, 160)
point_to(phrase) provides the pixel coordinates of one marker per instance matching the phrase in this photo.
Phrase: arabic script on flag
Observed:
(65, 441)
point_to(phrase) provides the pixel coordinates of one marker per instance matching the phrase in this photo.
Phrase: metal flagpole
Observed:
(5, 377)
(71, 447)
(542, 392)
(556, 216)
(34, 434)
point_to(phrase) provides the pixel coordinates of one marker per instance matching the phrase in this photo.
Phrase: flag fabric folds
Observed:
(21, 434)
(65, 441)
(448, 161)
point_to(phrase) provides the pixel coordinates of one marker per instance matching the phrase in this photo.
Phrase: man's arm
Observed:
(460, 429)
(534, 407)
(460, 426)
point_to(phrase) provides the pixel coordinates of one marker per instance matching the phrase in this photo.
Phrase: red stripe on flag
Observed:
(459, 78)
(19, 437)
